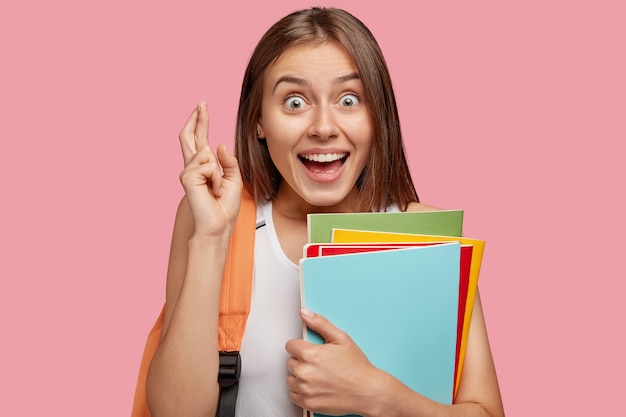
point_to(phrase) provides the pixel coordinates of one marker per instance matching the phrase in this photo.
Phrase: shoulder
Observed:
(415, 206)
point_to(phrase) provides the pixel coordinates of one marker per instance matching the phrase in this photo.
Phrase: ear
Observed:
(260, 134)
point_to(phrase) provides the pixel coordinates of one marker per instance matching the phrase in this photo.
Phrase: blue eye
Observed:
(294, 103)
(349, 100)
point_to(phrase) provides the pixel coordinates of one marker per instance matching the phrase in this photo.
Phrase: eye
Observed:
(294, 103)
(349, 100)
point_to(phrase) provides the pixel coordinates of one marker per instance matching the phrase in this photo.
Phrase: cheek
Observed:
(363, 141)
(279, 150)
(279, 126)
(362, 134)
(359, 125)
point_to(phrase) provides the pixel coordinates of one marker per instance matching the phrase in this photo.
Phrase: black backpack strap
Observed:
(228, 378)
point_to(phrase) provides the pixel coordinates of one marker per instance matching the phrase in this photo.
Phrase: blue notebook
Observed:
(400, 306)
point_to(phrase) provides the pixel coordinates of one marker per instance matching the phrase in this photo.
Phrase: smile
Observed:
(323, 163)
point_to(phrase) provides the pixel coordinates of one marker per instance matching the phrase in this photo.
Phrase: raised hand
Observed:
(334, 378)
(211, 180)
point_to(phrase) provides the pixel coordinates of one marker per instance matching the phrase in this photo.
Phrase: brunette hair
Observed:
(386, 178)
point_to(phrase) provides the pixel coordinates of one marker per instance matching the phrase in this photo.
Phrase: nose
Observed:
(323, 123)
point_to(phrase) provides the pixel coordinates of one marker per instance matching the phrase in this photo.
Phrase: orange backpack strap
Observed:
(234, 308)
(140, 404)
(237, 279)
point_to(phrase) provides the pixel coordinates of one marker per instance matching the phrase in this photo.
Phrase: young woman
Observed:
(317, 131)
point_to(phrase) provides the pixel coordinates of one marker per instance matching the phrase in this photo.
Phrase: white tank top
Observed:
(274, 319)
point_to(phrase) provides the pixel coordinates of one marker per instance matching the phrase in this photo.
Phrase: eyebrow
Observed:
(303, 82)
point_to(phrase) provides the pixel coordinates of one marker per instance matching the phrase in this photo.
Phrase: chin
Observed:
(326, 198)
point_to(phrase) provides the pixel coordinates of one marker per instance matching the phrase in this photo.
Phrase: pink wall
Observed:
(511, 112)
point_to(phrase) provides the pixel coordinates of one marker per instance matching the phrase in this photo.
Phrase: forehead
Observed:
(312, 61)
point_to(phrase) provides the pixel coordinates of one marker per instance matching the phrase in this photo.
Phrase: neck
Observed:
(291, 205)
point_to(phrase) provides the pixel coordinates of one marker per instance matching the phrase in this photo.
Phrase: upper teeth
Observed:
(321, 157)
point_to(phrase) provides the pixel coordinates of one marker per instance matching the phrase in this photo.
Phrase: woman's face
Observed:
(316, 123)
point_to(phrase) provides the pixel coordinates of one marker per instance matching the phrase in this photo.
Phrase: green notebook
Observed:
(442, 223)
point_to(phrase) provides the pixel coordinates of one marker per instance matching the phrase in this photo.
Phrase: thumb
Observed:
(321, 325)
(228, 162)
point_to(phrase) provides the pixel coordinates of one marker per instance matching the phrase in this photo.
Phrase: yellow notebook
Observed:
(354, 236)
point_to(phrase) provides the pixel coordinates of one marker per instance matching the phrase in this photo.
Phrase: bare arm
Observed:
(182, 379)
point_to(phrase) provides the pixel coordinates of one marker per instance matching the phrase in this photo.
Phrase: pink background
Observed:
(512, 112)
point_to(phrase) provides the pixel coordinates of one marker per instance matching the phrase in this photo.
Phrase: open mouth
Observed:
(324, 163)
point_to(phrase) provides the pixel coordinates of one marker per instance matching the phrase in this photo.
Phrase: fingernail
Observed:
(307, 313)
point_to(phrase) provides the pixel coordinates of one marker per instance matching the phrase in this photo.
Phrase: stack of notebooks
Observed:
(402, 285)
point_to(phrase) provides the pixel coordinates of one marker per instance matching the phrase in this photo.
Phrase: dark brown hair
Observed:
(386, 179)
